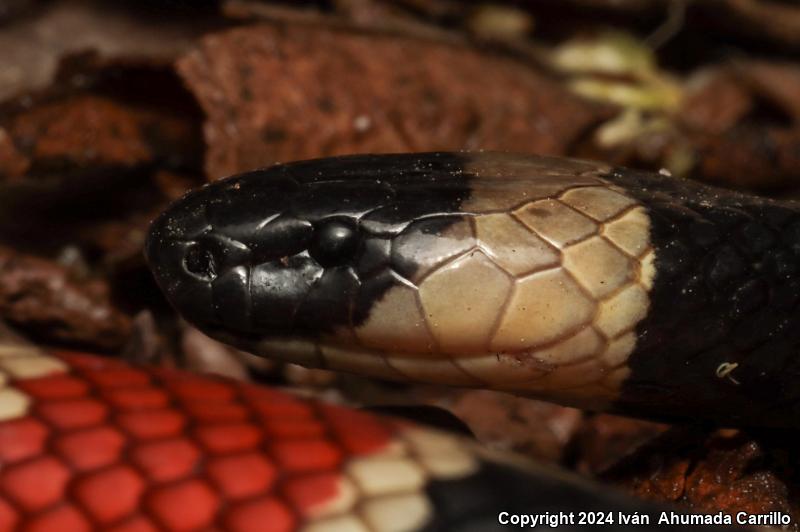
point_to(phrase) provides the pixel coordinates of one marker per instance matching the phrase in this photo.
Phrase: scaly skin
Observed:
(561, 279)
(526, 275)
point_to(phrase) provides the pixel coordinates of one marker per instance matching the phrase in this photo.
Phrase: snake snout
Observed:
(202, 261)
(238, 259)
(183, 267)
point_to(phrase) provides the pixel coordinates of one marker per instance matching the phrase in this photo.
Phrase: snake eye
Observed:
(335, 242)
(200, 262)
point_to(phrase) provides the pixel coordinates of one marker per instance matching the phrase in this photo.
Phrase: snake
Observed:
(572, 281)
(566, 280)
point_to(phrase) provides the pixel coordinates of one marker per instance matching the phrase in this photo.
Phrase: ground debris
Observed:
(42, 298)
(273, 93)
(744, 123)
(96, 119)
(724, 470)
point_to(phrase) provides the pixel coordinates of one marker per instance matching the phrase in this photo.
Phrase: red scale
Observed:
(73, 413)
(166, 460)
(303, 456)
(242, 475)
(136, 398)
(184, 506)
(228, 437)
(110, 494)
(266, 514)
(21, 438)
(90, 448)
(310, 491)
(151, 424)
(63, 517)
(55, 387)
(8, 516)
(37, 483)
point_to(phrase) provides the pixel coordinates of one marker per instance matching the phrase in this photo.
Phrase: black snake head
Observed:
(467, 269)
(299, 251)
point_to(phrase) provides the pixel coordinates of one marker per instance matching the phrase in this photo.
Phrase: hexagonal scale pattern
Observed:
(99, 445)
(522, 302)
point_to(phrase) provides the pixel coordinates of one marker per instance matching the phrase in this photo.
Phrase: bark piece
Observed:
(275, 93)
(42, 298)
(743, 122)
(715, 101)
(88, 131)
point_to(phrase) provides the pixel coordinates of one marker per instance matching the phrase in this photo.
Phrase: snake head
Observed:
(453, 268)
(259, 255)
(299, 252)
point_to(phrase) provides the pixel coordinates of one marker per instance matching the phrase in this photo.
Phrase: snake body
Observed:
(568, 280)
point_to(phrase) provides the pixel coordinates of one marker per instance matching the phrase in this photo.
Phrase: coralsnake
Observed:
(587, 285)
(573, 281)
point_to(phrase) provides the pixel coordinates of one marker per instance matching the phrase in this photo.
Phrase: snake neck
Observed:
(723, 328)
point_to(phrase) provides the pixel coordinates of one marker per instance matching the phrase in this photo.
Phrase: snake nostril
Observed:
(199, 261)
